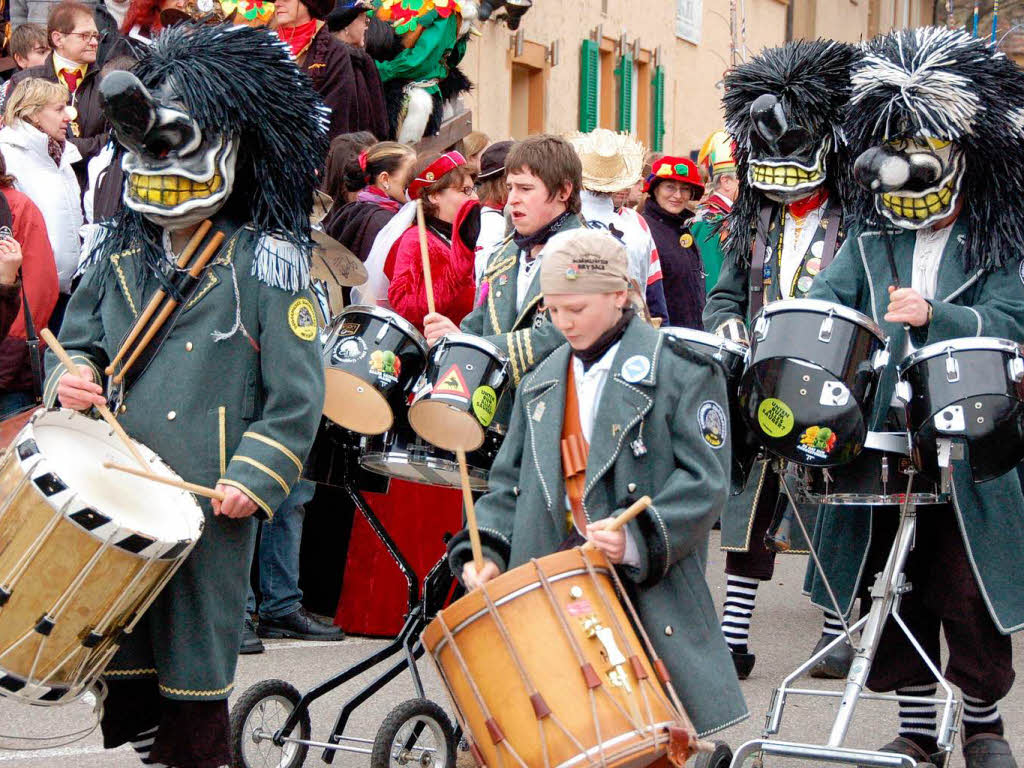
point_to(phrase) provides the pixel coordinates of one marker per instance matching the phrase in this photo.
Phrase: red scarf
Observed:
(802, 207)
(298, 37)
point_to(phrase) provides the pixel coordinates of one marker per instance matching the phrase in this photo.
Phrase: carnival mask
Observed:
(787, 162)
(916, 181)
(176, 175)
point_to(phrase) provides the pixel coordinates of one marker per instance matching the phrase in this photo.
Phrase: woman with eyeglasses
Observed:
(444, 185)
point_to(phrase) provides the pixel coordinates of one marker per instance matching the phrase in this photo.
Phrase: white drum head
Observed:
(74, 447)
(446, 426)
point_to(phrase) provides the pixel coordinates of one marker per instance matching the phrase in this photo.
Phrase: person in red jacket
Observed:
(444, 185)
(29, 244)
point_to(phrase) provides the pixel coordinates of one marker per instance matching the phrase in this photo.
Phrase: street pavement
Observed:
(784, 631)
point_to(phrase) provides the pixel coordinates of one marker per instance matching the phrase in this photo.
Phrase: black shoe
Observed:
(744, 663)
(250, 641)
(904, 746)
(987, 750)
(835, 666)
(300, 624)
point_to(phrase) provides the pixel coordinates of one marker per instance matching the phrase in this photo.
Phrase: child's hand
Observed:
(471, 579)
(612, 543)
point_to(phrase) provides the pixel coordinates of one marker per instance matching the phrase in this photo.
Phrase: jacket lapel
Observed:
(544, 398)
(951, 269)
(625, 401)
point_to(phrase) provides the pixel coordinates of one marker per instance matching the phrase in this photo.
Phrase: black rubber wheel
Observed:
(256, 717)
(410, 728)
(721, 757)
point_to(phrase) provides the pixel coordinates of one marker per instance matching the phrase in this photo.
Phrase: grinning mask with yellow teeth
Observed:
(915, 181)
(176, 174)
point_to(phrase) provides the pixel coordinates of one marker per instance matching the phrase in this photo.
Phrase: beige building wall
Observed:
(530, 82)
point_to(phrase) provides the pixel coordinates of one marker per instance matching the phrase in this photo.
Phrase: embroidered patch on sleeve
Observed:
(302, 319)
(712, 423)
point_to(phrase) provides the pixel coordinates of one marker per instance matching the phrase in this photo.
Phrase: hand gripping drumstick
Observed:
(632, 511)
(199, 490)
(183, 260)
(65, 359)
(425, 255)
(467, 498)
(170, 304)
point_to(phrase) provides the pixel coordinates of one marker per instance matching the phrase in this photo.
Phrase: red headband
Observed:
(362, 161)
(446, 163)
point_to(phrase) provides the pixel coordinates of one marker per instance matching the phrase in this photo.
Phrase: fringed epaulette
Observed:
(94, 240)
(683, 350)
(281, 264)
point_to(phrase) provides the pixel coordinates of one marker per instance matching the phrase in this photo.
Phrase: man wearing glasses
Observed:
(71, 30)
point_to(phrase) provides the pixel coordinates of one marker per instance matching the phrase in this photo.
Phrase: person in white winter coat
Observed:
(34, 146)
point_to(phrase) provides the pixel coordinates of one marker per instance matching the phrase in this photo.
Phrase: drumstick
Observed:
(65, 359)
(199, 490)
(634, 509)
(425, 255)
(170, 304)
(183, 260)
(467, 498)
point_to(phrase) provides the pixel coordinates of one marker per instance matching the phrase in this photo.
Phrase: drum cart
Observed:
(270, 722)
(886, 594)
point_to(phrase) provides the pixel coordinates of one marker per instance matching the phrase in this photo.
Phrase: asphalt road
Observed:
(784, 631)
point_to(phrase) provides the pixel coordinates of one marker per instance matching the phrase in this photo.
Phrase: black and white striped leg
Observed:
(740, 594)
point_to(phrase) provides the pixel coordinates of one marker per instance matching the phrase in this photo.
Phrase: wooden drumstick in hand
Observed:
(425, 255)
(467, 498)
(199, 490)
(108, 417)
(632, 511)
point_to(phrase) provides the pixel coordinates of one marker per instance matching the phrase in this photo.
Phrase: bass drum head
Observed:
(798, 411)
(353, 404)
(446, 426)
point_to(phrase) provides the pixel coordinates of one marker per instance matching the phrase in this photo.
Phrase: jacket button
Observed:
(515, 490)
(172, 415)
(122, 409)
(498, 294)
(668, 630)
(188, 346)
(631, 487)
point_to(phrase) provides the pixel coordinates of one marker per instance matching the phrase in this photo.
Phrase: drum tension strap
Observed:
(575, 452)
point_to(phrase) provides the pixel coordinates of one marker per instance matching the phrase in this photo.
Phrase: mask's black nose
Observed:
(769, 118)
(128, 106)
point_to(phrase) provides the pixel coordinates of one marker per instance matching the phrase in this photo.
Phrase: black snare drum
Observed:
(970, 391)
(457, 397)
(372, 358)
(810, 380)
(730, 355)
(879, 475)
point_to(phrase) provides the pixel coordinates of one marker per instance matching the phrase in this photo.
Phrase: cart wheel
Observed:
(416, 733)
(256, 717)
(720, 757)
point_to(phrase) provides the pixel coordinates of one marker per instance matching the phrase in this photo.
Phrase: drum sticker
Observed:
(452, 384)
(834, 394)
(347, 329)
(775, 417)
(386, 364)
(302, 319)
(712, 423)
(817, 442)
(485, 402)
(349, 351)
(636, 369)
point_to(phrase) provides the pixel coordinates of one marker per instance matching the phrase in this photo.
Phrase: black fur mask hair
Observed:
(241, 81)
(947, 85)
(811, 78)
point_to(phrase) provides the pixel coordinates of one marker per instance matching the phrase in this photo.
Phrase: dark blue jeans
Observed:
(278, 556)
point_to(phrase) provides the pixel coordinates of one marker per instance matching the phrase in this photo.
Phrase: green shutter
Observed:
(625, 77)
(658, 86)
(590, 62)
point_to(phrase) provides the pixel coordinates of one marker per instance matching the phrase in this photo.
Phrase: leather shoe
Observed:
(904, 746)
(250, 641)
(986, 750)
(300, 624)
(835, 666)
(744, 663)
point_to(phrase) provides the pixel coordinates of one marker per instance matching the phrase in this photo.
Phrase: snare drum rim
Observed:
(469, 340)
(385, 315)
(818, 306)
(967, 344)
(705, 339)
(877, 500)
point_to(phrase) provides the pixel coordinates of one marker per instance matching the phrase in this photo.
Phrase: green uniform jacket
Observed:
(710, 247)
(525, 335)
(989, 514)
(215, 411)
(523, 514)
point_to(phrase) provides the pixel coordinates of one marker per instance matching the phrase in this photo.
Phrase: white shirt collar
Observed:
(60, 63)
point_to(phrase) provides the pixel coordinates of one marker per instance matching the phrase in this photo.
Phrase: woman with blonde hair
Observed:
(35, 148)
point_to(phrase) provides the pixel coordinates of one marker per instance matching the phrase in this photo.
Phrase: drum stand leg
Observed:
(886, 594)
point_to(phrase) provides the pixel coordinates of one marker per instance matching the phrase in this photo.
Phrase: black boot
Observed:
(744, 663)
(300, 624)
(250, 641)
(901, 745)
(835, 666)
(986, 750)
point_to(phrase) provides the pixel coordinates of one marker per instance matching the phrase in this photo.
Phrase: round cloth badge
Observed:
(302, 319)
(686, 240)
(635, 369)
(712, 423)
(804, 283)
(813, 266)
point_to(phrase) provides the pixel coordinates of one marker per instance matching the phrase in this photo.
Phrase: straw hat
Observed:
(611, 161)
